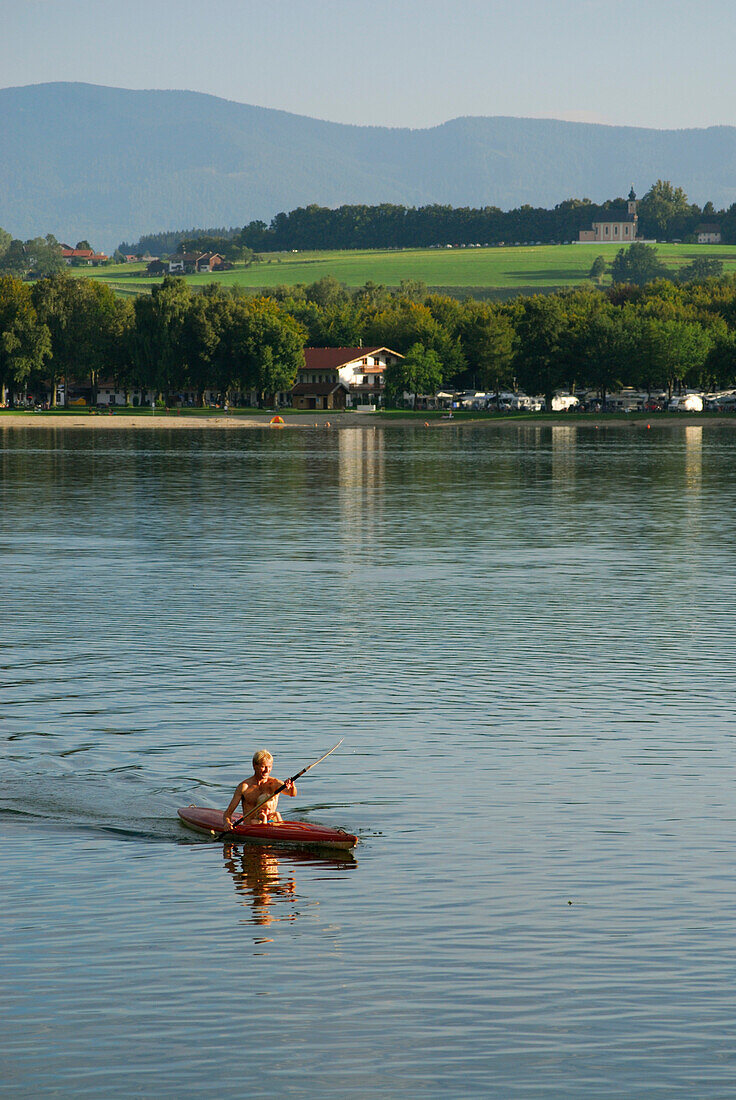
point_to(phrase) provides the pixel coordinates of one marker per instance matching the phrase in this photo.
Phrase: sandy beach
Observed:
(104, 421)
(340, 421)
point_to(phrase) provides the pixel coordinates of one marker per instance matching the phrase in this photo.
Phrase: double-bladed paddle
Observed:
(292, 779)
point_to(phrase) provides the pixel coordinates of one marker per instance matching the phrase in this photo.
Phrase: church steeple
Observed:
(632, 201)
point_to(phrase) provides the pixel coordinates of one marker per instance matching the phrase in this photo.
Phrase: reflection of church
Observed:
(617, 229)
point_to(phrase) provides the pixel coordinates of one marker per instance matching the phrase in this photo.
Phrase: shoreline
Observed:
(339, 422)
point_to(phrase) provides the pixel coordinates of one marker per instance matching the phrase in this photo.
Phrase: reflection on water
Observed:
(693, 457)
(265, 880)
(360, 464)
(564, 456)
(525, 635)
(260, 882)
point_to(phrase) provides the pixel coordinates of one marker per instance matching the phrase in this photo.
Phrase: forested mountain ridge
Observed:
(109, 164)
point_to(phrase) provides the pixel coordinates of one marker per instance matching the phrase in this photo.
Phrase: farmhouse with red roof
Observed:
(339, 378)
(82, 257)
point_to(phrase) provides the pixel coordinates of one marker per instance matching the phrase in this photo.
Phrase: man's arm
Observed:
(287, 784)
(227, 816)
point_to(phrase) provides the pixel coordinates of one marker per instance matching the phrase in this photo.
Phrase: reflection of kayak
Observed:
(278, 832)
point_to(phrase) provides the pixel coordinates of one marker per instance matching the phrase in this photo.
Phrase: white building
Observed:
(342, 377)
(709, 234)
(617, 229)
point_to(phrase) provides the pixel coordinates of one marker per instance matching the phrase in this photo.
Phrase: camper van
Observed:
(686, 402)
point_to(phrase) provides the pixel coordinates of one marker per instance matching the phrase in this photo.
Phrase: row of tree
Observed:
(660, 336)
(41, 255)
(664, 214)
(171, 340)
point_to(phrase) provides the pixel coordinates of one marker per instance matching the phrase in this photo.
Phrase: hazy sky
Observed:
(661, 63)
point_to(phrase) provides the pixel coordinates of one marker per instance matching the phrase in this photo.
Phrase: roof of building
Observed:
(708, 227)
(317, 389)
(334, 358)
(616, 219)
(198, 257)
(82, 253)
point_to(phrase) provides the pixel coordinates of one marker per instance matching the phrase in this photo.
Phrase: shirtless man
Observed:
(252, 790)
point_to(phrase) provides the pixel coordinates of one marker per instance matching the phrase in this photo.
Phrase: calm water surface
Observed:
(525, 636)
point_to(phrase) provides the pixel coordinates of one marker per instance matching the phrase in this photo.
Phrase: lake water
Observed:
(525, 636)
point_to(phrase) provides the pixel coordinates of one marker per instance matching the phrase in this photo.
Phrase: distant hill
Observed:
(106, 164)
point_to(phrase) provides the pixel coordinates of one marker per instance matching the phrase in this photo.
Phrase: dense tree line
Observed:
(225, 241)
(664, 214)
(169, 341)
(662, 335)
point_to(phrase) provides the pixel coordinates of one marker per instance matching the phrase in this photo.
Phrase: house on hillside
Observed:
(338, 378)
(194, 262)
(212, 261)
(82, 257)
(616, 229)
(189, 263)
(709, 234)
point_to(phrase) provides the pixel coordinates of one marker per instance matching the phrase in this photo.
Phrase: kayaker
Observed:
(252, 790)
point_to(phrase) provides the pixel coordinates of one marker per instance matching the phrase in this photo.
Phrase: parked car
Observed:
(726, 403)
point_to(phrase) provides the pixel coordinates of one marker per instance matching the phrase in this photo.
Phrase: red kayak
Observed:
(211, 822)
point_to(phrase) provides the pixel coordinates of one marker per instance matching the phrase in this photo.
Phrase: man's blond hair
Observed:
(262, 754)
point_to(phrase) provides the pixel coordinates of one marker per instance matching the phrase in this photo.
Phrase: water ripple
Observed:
(524, 636)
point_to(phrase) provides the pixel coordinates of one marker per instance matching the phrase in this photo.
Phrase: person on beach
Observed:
(252, 790)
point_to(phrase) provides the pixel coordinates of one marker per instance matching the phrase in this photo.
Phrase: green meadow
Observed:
(493, 272)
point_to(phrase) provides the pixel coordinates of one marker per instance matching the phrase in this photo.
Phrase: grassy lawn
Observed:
(523, 269)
